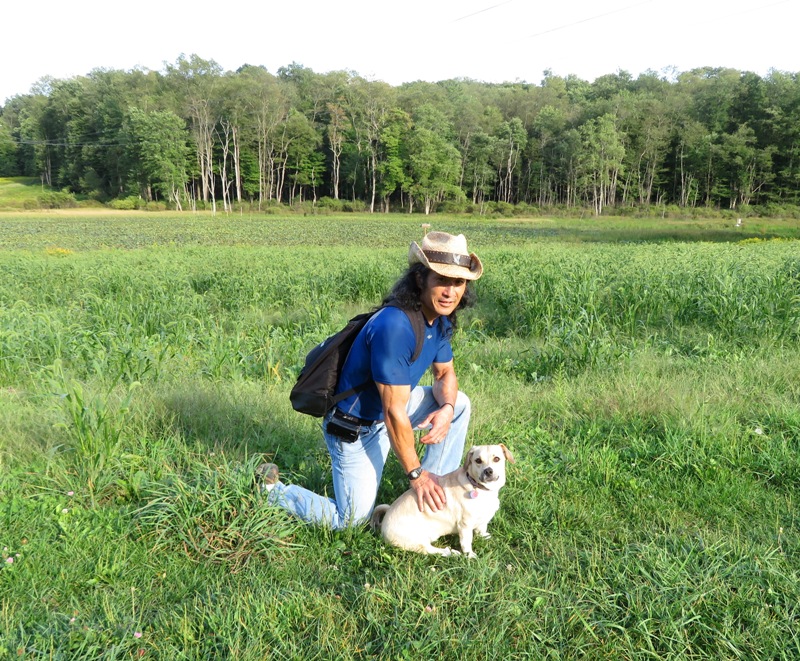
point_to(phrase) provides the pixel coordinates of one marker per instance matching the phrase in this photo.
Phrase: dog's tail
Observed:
(377, 516)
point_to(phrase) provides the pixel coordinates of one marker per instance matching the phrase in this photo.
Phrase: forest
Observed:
(194, 136)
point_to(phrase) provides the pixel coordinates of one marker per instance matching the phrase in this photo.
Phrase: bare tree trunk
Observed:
(374, 177)
(48, 169)
(237, 165)
(336, 140)
(225, 144)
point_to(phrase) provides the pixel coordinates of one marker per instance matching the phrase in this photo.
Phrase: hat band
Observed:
(439, 257)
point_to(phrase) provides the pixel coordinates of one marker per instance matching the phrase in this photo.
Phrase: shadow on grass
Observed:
(241, 421)
(244, 422)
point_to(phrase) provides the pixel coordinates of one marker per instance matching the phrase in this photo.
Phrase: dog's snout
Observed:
(488, 472)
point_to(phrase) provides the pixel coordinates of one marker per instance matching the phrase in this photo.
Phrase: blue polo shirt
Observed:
(382, 352)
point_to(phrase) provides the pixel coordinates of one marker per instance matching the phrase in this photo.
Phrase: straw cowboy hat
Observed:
(447, 255)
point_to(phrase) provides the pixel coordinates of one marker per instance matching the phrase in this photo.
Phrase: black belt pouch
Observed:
(344, 426)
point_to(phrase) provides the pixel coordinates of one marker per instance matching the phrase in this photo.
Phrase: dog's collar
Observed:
(475, 483)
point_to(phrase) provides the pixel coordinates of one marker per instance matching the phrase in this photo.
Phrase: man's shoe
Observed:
(267, 476)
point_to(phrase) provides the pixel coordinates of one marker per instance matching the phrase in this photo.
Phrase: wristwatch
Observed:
(414, 474)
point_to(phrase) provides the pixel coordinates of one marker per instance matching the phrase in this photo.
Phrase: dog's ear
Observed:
(507, 453)
(468, 457)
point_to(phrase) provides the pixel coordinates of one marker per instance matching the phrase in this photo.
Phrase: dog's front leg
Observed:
(465, 539)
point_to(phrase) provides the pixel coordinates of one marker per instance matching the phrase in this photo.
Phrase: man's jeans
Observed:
(358, 466)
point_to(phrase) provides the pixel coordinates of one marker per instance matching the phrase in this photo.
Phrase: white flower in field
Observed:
(10, 560)
(64, 511)
(758, 431)
(72, 620)
(137, 634)
(70, 493)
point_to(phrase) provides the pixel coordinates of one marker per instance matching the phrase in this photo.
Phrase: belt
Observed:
(338, 414)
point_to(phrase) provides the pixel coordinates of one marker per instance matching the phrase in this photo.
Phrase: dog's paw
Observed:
(485, 534)
(472, 555)
(448, 551)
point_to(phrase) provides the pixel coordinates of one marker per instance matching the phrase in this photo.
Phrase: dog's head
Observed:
(486, 465)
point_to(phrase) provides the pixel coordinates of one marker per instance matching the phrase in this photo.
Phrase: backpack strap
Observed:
(417, 323)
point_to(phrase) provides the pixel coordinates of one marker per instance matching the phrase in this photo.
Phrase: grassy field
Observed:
(18, 192)
(644, 373)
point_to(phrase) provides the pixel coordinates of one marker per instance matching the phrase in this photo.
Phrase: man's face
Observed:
(440, 295)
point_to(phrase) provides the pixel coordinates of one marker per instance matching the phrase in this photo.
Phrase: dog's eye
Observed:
(479, 460)
(496, 459)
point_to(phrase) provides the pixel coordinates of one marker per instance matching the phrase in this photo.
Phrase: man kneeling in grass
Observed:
(360, 429)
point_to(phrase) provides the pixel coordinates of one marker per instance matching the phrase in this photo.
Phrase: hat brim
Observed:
(473, 272)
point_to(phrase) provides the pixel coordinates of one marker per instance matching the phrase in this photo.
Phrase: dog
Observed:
(472, 500)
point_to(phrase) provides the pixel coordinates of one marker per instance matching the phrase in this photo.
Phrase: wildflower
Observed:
(9, 560)
(429, 609)
(758, 431)
(70, 493)
(64, 511)
(137, 634)
(72, 620)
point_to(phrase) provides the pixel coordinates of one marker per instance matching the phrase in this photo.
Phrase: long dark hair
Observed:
(406, 292)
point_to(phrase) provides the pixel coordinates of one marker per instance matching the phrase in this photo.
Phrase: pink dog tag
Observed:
(473, 493)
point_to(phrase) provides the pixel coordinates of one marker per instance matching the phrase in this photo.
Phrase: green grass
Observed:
(647, 387)
(88, 230)
(17, 193)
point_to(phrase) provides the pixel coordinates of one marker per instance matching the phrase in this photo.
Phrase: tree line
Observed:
(194, 135)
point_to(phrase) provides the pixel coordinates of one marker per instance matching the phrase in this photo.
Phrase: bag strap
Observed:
(417, 323)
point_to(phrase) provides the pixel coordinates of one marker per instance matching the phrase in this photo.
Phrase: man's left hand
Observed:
(439, 421)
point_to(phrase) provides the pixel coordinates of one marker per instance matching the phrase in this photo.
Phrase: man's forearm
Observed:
(401, 437)
(445, 389)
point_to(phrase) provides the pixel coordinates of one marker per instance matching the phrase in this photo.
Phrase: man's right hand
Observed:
(429, 492)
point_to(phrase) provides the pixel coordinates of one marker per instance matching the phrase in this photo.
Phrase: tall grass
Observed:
(649, 392)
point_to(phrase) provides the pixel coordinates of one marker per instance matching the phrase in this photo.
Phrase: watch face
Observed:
(413, 475)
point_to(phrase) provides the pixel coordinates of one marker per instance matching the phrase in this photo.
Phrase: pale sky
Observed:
(400, 41)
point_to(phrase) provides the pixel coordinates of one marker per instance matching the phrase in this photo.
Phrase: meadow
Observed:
(643, 372)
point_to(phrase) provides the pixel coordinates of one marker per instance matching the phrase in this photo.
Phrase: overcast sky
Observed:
(486, 40)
